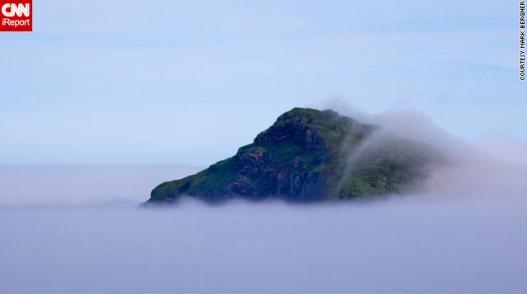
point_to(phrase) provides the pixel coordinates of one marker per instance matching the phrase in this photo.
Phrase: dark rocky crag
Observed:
(308, 155)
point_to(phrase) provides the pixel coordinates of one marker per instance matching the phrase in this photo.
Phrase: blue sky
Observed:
(187, 82)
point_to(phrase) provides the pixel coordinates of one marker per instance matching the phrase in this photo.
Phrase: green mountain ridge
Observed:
(308, 155)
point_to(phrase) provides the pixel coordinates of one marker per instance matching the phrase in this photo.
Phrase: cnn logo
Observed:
(16, 15)
(12, 9)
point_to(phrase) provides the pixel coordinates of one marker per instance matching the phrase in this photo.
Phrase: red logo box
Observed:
(16, 15)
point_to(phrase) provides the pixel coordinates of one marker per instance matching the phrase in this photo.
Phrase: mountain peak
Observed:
(309, 127)
(304, 156)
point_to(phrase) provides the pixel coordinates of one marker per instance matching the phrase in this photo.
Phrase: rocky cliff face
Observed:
(307, 155)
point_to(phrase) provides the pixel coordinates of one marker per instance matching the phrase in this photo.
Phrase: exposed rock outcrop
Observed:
(308, 155)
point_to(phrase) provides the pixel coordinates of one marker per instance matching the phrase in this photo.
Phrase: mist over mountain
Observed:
(311, 155)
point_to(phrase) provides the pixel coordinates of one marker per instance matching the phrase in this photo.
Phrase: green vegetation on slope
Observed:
(306, 155)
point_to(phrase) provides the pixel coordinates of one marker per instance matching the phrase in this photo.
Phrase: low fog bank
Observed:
(467, 236)
(395, 245)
